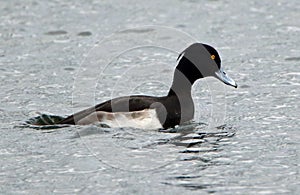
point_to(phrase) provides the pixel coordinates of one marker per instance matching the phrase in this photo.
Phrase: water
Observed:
(255, 150)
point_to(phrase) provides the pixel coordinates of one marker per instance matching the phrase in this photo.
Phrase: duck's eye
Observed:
(212, 57)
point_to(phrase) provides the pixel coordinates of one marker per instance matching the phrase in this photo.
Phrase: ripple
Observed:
(292, 59)
(56, 32)
(84, 34)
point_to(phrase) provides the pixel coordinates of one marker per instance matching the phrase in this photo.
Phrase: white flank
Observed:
(144, 119)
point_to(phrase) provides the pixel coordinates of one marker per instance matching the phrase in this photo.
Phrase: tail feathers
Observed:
(45, 119)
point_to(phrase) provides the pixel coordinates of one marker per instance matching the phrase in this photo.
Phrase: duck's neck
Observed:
(185, 76)
(181, 86)
(180, 92)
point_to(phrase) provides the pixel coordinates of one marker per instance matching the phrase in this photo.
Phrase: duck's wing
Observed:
(122, 104)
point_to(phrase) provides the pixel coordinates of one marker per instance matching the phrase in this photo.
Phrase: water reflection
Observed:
(184, 155)
(202, 151)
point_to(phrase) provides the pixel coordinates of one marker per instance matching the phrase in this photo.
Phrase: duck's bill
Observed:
(222, 76)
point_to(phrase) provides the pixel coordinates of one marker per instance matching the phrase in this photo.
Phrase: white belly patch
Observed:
(144, 119)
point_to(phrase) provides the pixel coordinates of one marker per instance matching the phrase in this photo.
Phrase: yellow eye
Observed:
(212, 57)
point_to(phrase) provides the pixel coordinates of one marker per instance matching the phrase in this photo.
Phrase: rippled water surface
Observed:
(242, 141)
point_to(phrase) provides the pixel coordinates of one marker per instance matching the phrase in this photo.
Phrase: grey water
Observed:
(242, 141)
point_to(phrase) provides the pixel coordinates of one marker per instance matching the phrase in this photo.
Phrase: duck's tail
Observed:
(45, 119)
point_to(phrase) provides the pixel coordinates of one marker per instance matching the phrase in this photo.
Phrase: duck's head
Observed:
(200, 60)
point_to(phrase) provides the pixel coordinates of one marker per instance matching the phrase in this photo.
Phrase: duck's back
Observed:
(121, 104)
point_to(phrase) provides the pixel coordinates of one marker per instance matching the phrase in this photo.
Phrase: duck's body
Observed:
(195, 62)
(167, 110)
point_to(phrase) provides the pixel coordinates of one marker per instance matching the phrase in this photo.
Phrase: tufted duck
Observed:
(140, 111)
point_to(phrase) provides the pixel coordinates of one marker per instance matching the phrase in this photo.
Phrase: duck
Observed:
(197, 61)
